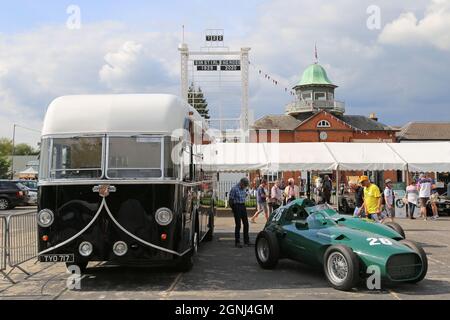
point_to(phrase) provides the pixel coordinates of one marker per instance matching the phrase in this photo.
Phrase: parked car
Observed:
(444, 204)
(32, 188)
(12, 194)
(31, 184)
(342, 246)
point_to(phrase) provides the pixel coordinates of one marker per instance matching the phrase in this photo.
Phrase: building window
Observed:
(307, 95)
(330, 96)
(323, 124)
(321, 96)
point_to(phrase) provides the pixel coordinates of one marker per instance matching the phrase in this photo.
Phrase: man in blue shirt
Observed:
(237, 197)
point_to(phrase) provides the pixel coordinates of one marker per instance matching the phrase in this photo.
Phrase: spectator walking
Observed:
(372, 199)
(412, 196)
(237, 199)
(359, 199)
(327, 187)
(424, 186)
(389, 199)
(261, 201)
(434, 199)
(291, 192)
(276, 196)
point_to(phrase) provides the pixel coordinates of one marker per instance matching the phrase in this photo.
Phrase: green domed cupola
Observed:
(315, 92)
(315, 74)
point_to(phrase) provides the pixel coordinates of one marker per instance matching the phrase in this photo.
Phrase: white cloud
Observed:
(40, 65)
(433, 28)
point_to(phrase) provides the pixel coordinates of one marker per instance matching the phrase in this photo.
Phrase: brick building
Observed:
(316, 116)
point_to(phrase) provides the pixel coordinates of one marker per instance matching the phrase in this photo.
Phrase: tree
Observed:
(5, 147)
(198, 101)
(22, 149)
(4, 167)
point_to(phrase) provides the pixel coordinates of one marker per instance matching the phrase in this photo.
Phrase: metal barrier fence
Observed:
(18, 242)
(2, 243)
(223, 190)
(22, 238)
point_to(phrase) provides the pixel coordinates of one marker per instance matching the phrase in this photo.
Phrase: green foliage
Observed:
(5, 147)
(21, 149)
(24, 149)
(198, 101)
(4, 167)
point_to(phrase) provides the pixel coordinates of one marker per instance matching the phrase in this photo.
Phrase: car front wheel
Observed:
(396, 227)
(4, 204)
(267, 250)
(341, 267)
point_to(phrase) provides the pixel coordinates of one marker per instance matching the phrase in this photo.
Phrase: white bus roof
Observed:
(124, 113)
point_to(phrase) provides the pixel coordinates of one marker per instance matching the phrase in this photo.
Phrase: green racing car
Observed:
(347, 248)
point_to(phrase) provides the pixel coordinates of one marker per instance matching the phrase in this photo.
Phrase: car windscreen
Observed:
(135, 157)
(329, 211)
(75, 158)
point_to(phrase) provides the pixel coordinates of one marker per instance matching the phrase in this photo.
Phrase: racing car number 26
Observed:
(379, 241)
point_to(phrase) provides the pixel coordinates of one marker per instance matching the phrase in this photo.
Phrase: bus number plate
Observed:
(57, 258)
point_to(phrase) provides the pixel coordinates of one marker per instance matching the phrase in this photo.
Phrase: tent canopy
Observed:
(415, 157)
(425, 157)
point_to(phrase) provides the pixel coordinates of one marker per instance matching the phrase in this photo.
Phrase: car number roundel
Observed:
(379, 241)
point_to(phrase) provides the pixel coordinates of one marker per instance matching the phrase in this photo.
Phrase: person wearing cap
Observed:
(372, 199)
(237, 197)
(389, 199)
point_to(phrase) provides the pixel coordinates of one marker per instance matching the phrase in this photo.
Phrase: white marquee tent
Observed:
(415, 157)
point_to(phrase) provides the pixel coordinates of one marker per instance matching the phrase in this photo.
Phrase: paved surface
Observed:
(224, 272)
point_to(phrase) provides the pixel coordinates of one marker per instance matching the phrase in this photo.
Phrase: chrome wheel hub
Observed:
(337, 267)
(3, 204)
(263, 249)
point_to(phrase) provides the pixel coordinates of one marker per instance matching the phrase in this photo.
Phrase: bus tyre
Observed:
(186, 263)
(81, 265)
(209, 236)
(423, 256)
(267, 250)
(341, 267)
(396, 227)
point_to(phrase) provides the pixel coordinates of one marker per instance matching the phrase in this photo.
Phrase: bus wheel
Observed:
(186, 262)
(81, 265)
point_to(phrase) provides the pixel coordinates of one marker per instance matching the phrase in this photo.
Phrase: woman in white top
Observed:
(292, 191)
(412, 195)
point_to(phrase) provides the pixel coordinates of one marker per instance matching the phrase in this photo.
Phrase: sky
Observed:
(387, 57)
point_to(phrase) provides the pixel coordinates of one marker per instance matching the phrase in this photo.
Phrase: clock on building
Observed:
(323, 135)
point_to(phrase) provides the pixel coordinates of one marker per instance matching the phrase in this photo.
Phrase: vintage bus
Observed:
(121, 180)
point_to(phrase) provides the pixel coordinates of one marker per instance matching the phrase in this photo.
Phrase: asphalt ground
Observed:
(222, 271)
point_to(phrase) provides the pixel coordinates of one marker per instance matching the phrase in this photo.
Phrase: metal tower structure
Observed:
(214, 58)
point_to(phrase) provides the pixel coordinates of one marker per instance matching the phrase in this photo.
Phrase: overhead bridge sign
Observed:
(213, 65)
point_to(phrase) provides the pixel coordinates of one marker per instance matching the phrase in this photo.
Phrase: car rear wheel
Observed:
(423, 256)
(267, 250)
(341, 267)
(396, 227)
(4, 204)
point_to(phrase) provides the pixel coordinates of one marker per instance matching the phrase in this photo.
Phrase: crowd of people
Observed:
(370, 202)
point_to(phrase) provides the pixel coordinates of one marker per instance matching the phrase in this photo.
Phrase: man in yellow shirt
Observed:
(372, 199)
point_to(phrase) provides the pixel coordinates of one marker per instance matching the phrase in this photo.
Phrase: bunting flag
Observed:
(274, 81)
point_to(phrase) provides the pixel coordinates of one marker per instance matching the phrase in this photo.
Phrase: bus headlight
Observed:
(164, 216)
(85, 249)
(45, 218)
(120, 248)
